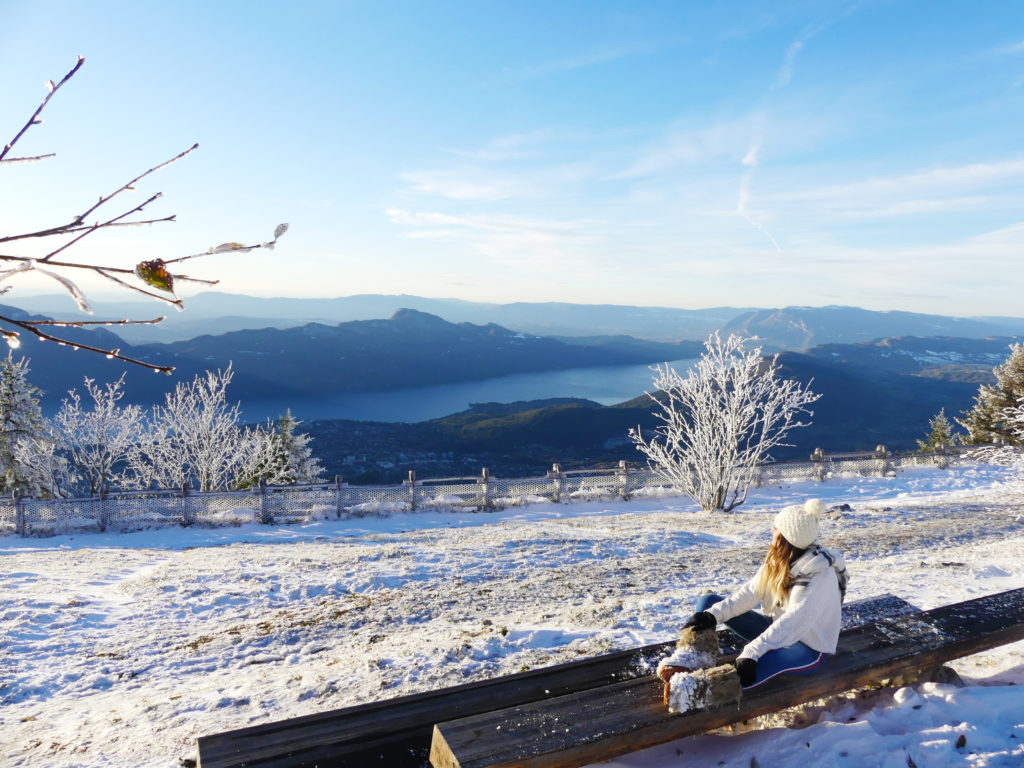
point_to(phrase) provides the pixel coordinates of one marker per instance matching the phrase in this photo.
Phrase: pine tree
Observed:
(940, 434)
(21, 425)
(276, 455)
(986, 420)
(293, 453)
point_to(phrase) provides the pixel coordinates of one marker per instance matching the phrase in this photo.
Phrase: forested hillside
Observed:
(862, 405)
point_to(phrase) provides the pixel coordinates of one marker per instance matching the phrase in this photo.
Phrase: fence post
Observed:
(19, 514)
(411, 482)
(622, 473)
(556, 476)
(484, 481)
(939, 456)
(818, 457)
(104, 520)
(882, 456)
(339, 490)
(266, 513)
(188, 515)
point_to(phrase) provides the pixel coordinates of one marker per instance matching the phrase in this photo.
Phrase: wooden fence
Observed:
(136, 510)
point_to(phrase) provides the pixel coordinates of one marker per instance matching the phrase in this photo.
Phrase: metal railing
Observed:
(137, 510)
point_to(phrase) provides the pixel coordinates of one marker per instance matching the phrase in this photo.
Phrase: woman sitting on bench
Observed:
(800, 589)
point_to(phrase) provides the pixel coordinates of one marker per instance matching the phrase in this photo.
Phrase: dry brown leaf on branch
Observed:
(154, 273)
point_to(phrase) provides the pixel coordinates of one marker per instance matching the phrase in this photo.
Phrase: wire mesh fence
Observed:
(281, 505)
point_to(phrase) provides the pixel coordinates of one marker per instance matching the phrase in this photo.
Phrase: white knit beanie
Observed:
(799, 523)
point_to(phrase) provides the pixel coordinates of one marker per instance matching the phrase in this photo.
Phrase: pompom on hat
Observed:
(799, 523)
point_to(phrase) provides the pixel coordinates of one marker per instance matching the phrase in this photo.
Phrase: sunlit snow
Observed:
(121, 649)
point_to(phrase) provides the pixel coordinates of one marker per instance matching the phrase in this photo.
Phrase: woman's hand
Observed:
(747, 671)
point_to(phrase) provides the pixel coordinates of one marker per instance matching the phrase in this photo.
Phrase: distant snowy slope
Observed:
(805, 327)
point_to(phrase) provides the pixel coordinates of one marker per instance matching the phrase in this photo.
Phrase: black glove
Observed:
(701, 620)
(747, 671)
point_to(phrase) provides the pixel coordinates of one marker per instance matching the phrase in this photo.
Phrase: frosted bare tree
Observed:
(56, 477)
(46, 250)
(194, 436)
(721, 422)
(260, 459)
(99, 437)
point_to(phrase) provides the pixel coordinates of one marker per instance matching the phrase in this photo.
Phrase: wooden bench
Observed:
(397, 732)
(597, 725)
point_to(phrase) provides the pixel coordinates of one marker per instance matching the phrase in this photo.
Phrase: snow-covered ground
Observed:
(118, 650)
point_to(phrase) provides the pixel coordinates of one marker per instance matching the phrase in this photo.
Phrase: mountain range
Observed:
(789, 328)
(213, 312)
(880, 392)
(408, 350)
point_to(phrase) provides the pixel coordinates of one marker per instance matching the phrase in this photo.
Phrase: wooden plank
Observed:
(397, 732)
(356, 733)
(578, 729)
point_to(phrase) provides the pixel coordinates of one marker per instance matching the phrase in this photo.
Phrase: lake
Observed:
(608, 385)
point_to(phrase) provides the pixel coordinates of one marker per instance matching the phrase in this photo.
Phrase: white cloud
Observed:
(949, 188)
(481, 183)
(788, 60)
(918, 207)
(448, 184)
(583, 60)
(690, 145)
(752, 156)
(505, 238)
(1010, 50)
(517, 146)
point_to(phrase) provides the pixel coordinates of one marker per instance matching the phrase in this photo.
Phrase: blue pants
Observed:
(796, 659)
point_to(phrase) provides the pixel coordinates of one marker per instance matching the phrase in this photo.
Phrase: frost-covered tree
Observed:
(47, 249)
(43, 459)
(986, 421)
(259, 460)
(194, 436)
(98, 437)
(294, 453)
(278, 455)
(1009, 452)
(940, 434)
(21, 426)
(721, 421)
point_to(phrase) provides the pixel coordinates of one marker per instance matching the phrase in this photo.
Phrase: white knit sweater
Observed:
(812, 614)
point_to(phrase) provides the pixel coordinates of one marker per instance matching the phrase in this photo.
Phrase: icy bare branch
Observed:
(34, 120)
(149, 277)
(13, 340)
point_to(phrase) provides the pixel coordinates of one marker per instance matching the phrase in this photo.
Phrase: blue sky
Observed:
(677, 153)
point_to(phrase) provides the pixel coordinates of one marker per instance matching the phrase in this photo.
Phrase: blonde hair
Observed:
(774, 580)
